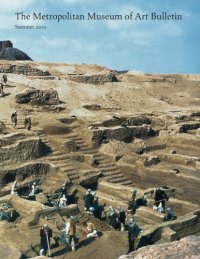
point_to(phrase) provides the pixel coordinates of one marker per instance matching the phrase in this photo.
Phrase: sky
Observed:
(151, 46)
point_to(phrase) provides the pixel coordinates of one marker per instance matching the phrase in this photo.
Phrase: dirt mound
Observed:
(40, 97)
(114, 147)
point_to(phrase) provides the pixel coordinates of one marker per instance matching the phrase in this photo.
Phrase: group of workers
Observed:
(68, 234)
(115, 218)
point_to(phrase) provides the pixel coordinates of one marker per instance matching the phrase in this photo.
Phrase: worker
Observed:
(27, 122)
(45, 239)
(14, 118)
(91, 230)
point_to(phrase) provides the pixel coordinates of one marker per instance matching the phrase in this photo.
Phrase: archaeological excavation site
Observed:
(120, 136)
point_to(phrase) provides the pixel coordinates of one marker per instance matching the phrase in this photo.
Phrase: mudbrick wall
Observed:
(183, 226)
(98, 79)
(125, 134)
(22, 172)
(22, 69)
(22, 150)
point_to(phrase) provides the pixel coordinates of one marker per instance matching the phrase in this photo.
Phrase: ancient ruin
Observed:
(7, 52)
(112, 132)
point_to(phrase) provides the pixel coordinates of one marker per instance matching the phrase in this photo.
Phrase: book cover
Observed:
(99, 129)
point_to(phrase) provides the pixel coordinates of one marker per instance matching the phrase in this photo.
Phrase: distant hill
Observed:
(7, 52)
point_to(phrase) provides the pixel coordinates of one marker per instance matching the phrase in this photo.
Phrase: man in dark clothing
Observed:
(14, 118)
(133, 232)
(1, 90)
(113, 219)
(45, 236)
(27, 122)
(122, 219)
(134, 193)
(160, 196)
(89, 199)
(132, 206)
(5, 79)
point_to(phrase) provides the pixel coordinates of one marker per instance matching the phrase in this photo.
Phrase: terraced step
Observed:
(106, 165)
(102, 160)
(57, 153)
(62, 157)
(117, 172)
(66, 162)
(83, 146)
(72, 135)
(118, 179)
(73, 172)
(115, 176)
(69, 170)
(90, 151)
(109, 169)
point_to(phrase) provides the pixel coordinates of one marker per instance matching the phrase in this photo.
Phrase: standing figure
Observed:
(71, 232)
(160, 196)
(1, 90)
(34, 189)
(14, 118)
(89, 199)
(5, 79)
(63, 201)
(122, 219)
(45, 239)
(134, 193)
(14, 187)
(133, 231)
(27, 122)
(112, 217)
(63, 190)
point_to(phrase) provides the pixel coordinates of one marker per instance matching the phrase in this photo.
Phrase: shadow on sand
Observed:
(5, 94)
